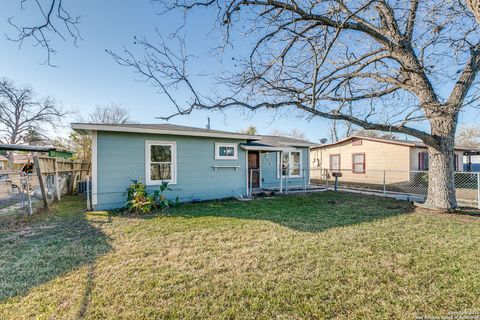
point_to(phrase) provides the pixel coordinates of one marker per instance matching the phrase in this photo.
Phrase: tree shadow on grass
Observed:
(37, 249)
(315, 212)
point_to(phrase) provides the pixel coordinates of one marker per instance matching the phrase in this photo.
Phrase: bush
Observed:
(160, 200)
(139, 201)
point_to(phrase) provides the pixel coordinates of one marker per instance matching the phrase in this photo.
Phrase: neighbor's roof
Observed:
(21, 147)
(408, 143)
(276, 143)
(169, 129)
(286, 141)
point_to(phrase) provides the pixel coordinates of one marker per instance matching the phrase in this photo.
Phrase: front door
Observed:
(253, 166)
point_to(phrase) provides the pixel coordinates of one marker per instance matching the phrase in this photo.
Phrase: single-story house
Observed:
(199, 164)
(364, 159)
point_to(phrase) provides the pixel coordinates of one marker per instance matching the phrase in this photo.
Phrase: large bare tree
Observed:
(54, 19)
(111, 114)
(469, 137)
(401, 66)
(22, 112)
(475, 7)
(81, 144)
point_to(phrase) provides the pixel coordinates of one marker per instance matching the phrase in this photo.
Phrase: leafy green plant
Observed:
(161, 201)
(138, 200)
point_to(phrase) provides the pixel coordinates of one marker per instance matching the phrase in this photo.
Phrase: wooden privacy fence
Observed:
(57, 176)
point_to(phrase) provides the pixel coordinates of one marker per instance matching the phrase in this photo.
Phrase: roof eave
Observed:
(397, 142)
(267, 148)
(88, 128)
(407, 144)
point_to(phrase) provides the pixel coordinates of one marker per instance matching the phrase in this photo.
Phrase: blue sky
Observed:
(87, 76)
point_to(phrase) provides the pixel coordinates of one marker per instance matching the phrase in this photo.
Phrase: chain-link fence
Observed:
(409, 185)
(18, 191)
(40, 183)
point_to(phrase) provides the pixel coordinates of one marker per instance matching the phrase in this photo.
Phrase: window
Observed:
(335, 162)
(1, 165)
(160, 162)
(226, 151)
(423, 161)
(358, 163)
(293, 161)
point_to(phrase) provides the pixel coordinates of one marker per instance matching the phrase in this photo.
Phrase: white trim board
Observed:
(218, 145)
(94, 168)
(247, 187)
(173, 145)
(279, 164)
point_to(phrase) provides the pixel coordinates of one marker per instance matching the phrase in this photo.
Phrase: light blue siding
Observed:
(121, 158)
(269, 170)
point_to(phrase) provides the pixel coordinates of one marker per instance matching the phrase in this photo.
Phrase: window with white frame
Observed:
(291, 163)
(226, 151)
(161, 158)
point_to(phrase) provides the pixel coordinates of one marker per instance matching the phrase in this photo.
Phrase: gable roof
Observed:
(276, 144)
(279, 141)
(407, 143)
(173, 129)
(164, 128)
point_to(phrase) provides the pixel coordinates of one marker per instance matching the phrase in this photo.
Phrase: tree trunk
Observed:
(475, 7)
(10, 158)
(441, 177)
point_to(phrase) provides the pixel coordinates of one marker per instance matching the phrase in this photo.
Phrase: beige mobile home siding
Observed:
(379, 157)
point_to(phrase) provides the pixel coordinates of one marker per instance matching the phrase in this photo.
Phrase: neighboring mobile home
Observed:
(364, 159)
(199, 164)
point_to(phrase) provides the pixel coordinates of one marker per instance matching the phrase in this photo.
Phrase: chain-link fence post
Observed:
(21, 191)
(384, 183)
(29, 199)
(326, 179)
(478, 190)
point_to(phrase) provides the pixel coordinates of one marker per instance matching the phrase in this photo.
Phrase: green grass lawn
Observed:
(322, 255)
